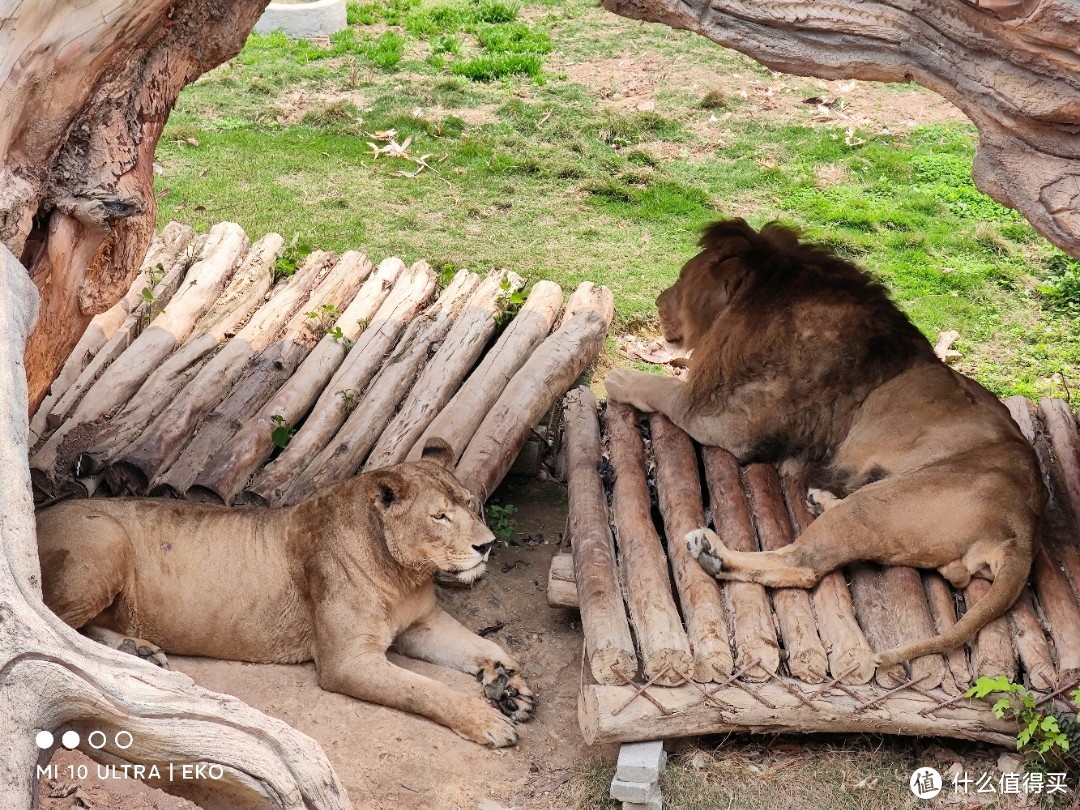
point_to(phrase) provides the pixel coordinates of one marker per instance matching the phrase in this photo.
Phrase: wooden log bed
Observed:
(768, 660)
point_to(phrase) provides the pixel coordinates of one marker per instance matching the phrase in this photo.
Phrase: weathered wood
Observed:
(806, 658)
(875, 617)
(454, 359)
(54, 678)
(85, 94)
(345, 389)
(1063, 438)
(752, 628)
(230, 469)
(913, 622)
(540, 381)
(679, 490)
(347, 451)
(1014, 75)
(991, 649)
(221, 254)
(246, 291)
(850, 657)
(132, 327)
(662, 641)
(732, 709)
(562, 582)
(939, 596)
(608, 644)
(1030, 643)
(457, 422)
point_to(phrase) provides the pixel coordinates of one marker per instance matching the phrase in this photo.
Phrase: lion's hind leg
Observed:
(774, 569)
(134, 646)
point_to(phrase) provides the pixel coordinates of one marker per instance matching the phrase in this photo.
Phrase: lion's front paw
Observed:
(487, 726)
(625, 385)
(820, 500)
(506, 689)
(701, 548)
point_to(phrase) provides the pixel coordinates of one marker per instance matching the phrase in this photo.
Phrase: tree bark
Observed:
(608, 644)
(939, 596)
(229, 469)
(457, 422)
(1010, 67)
(86, 92)
(678, 488)
(56, 679)
(540, 381)
(991, 649)
(665, 649)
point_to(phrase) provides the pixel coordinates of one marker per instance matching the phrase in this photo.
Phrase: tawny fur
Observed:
(336, 579)
(800, 357)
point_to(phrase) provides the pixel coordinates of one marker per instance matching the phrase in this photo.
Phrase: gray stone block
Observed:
(634, 792)
(641, 762)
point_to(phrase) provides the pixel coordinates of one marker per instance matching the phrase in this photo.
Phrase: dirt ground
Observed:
(389, 759)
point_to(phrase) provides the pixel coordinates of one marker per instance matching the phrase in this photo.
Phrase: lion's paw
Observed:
(622, 385)
(820, 500)
(487, 726)
(506, 690)
(138, 647)
(701, 548)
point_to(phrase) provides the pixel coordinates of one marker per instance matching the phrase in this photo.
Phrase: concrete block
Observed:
(641, 762)
(301, 19)
(654, 802)
(634, 792)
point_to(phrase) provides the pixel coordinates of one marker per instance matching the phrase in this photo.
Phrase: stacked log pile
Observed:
(217, 380)
(742, 657)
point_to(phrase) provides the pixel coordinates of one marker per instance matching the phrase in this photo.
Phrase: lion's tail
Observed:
(1004, 591)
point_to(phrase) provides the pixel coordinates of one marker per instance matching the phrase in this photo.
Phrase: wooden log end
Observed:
(809, 664)
(604, 662)
(762, 664)
(930, 669)
(677, 666)
(126, 479)
(890, 677)
(854, 667)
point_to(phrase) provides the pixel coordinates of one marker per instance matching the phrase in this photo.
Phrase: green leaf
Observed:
(1001, 707)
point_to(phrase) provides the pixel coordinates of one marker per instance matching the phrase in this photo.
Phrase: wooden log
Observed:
(875, 618)
(913, 621)
(457, 422)
(679, 491)
(753, 630)
(1063, 438)
(167, 436)
(175, 271)
(221, 254)
(939, 596)
(230, 469)
(608, 644)
(806, 658)
(662, 641)
(246, 290)
(347, 451)
(441, 378)
(1062, 615)
(991, 649)
(733, 709)
(1030, 642)
(179, 456)
(562, 583)
(540, 381)
(346, 386)
(850, 657)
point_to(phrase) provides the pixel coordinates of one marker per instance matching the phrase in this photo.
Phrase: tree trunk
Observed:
(1010, 66)
(56, 679)
(86, 89)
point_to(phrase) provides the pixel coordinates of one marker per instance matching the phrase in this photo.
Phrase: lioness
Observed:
(800, 357)
(335, 579)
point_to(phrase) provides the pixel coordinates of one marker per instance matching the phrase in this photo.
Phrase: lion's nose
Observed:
(485, 548)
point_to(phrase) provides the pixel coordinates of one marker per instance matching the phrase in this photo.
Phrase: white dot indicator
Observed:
(70, 740)
(98, 742)
(44, 739)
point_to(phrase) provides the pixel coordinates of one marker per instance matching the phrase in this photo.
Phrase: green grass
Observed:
(542, 163)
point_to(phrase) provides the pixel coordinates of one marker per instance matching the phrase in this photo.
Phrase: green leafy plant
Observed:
(336, 334)
(282, 432)
(509, 302)
(500, 520)
(290, 258)
(320, 318)
(1040, 734)
(152, 308)
(348, 397)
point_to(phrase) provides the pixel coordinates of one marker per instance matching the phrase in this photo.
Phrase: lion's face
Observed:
(690, 306)
(433, 524)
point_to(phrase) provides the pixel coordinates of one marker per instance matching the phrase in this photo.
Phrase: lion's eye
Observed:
(440, 516)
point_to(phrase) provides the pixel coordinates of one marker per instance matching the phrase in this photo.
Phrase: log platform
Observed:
(766, 660)
(218, 379)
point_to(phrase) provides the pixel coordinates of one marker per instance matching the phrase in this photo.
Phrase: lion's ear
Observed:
(438, 450)
(390, 490)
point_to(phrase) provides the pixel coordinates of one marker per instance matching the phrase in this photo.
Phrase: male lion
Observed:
(800, 357)
(335, 579)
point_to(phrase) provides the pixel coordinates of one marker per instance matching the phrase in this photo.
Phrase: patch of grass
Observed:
(513, 38)
(488, 67)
